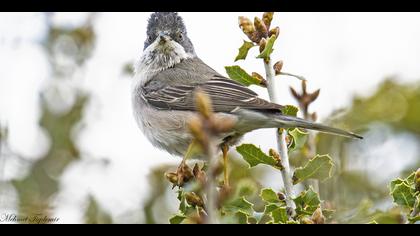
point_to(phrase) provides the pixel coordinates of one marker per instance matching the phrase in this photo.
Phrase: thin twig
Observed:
(211, 187)
(293, 75)
(281, 140)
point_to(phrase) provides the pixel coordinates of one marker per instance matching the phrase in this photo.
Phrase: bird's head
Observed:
(166, 33)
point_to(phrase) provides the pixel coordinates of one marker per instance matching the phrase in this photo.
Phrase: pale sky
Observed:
(342, 53)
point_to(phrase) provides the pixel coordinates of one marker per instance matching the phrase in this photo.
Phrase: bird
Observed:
(167, 74)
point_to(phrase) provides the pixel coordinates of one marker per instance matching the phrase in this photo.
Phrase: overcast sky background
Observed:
(342, 53)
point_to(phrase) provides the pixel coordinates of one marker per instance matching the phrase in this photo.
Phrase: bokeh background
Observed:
(70, 148)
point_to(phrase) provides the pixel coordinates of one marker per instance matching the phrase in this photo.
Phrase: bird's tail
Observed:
(290, 122)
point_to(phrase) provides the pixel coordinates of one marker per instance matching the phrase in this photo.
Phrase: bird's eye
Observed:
(149, 38)
(180, 36)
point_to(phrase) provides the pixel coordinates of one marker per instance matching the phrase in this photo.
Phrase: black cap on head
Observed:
(170, 23)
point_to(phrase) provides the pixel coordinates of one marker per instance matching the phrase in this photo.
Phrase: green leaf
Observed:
(414, 219)
(403, 194)
(254, 156)
(290, 110)
(299, 139)
(269, 196)
(319, 167)
(238, 74)
(242, 217)
(246, 187)
(177, 219)
(240, 204)
(307, 202)
(276, 212)
(280, 215)
(265, 54)
(243, 50)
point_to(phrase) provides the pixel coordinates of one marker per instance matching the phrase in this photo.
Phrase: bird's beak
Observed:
(163, 37)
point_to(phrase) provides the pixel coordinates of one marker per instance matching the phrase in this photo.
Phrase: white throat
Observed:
(156, 57)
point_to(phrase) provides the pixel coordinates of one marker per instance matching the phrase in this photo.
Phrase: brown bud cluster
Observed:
(259, 29)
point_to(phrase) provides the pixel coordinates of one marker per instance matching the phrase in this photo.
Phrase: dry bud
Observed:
(263, 81)
(314, 116)
(305, 99)
(307, 220)
(203, 103)
(281, 196)
(277, 67)
(260, 28)
(274, 31)
(246, 25)
(193, 199)
(263, 42)
(222, 124)
(172, 177)
(196, 128)
(273, 153)
(199, 174)
(318, 217)
(267, 18)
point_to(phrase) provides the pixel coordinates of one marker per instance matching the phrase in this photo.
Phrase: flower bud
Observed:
(273, 153)
(307, 220)
(277, 67)
(274, 31)
(261, 79)
(263, 42)
(318, 217)
(267, 18)
(172, 177)
(222, 124)
(246, 25)
(196, 128)
(281, 196)
(193, 199)
(260, 28)
(314, 116)
(203, 103)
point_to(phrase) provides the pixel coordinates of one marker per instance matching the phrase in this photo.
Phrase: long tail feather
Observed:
(290, 121)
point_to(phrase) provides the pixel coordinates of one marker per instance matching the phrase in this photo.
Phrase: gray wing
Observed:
(226, 94)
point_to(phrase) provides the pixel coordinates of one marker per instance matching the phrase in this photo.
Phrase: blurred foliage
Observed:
(95, 215)
(67, 48)
(37, 188)
(392, 104)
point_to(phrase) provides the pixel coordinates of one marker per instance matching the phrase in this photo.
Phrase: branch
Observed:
(281, 141)
(206, 128)
(210, 187)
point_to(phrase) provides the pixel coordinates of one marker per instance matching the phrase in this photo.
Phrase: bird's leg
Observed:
(225, 149)
(184, 172)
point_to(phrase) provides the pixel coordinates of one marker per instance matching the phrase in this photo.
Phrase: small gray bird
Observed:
(166, 77)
